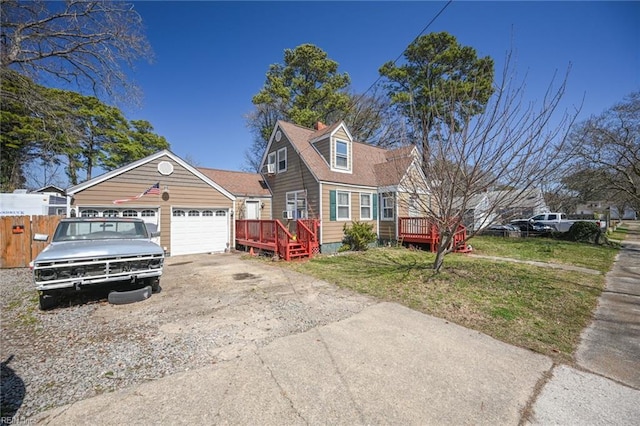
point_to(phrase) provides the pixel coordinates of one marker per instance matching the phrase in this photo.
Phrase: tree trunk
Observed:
(444, 247)
(437, 264)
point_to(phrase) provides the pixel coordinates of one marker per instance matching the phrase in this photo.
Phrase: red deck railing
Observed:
(420, 230)
(273, 236)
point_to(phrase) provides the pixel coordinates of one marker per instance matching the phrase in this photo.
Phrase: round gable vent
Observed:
(278, 136)
(165, 168)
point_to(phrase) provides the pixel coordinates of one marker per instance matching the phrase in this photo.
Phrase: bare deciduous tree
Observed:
(83, 43)
(512, 145)
(606, 149)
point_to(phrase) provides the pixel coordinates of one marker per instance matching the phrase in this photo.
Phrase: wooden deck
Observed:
(418, 230)
(273, 236)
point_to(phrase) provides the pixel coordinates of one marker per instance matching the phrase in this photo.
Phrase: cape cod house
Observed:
(320, 175)
(324, 174)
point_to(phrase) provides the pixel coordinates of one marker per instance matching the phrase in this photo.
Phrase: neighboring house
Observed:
(324, 174)
(192, 210)
(606, 208)
(50, 189)
(501, 206)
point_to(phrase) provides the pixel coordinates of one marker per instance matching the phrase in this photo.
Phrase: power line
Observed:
(412, 41)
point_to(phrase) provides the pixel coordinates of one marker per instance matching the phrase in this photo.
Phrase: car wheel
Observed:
(47, 301)
(155, 285)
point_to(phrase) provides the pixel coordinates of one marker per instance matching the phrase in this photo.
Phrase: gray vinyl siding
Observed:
(324, 148)
(296, 178)
(184, 190)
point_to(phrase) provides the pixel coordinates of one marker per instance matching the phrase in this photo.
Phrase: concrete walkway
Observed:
(611, 345)
(391, 365)
(606, 389)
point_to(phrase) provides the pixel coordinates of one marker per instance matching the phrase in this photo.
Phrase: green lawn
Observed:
(619, 234)
(543, 309)
(547, 250)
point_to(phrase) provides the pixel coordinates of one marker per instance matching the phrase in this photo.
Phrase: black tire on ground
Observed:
(155, 285)
(47, 301)
(124, 297)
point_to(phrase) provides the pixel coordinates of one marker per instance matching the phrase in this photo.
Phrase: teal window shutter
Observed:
(332, 205)
(375, 206)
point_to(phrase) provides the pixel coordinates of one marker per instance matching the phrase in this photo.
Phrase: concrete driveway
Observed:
(380, 363)
(387, 364)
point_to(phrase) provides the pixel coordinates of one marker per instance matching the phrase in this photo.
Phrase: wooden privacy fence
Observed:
(17, 247)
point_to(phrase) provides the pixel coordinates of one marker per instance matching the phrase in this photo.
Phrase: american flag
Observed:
(153, 190)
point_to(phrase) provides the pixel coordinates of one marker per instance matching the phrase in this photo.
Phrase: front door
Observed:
(252, 210)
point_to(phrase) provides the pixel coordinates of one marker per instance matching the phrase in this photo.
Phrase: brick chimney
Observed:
(319, 125)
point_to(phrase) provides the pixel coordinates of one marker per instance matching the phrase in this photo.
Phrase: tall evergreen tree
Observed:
(305, 89)
(441, 82)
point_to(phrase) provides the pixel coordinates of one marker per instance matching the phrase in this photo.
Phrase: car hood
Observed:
(84, 249)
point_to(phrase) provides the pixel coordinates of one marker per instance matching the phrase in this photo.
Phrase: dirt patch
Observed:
(212, 308)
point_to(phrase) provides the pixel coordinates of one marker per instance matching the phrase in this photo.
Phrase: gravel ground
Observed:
(213, 308)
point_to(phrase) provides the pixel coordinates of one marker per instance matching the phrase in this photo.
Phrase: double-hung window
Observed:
(297, 203)
(343, 205)
(282, 160)
(342, 155)
(387, 206)
(365, 207)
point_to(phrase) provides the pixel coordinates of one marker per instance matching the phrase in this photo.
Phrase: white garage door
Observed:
(149, 215)
(199, 230)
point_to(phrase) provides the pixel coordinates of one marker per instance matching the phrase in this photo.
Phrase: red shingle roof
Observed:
(238, 183)
(371, 164)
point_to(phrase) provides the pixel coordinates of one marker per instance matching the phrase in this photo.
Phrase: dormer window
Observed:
(342, 155)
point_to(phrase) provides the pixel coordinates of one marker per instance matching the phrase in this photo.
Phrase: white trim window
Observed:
(388, 206)
(271, 162)
(282, 160)
(343, 205)
(297, 203)
(366, 206)
(341, 155)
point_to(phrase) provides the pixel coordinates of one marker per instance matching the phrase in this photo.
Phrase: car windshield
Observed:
(99, 230)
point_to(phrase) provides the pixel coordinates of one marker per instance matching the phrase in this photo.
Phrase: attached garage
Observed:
(193, 213)
(199, 230)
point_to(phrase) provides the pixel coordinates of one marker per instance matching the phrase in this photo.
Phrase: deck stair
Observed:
(273, 236)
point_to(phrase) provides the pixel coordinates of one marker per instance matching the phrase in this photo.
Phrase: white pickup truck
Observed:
(560, 223)
(86, 252)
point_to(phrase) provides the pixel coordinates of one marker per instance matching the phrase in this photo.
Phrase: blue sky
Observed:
(211, 57)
